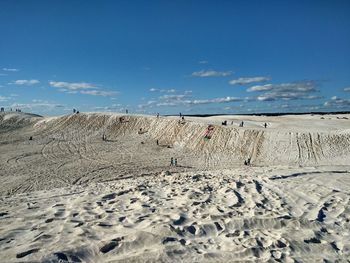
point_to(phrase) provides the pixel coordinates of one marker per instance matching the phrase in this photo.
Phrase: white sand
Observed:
(67, 196)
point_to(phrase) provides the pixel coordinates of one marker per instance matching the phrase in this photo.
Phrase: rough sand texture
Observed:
(68, 196)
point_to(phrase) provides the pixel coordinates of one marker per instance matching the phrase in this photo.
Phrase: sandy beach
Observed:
(67, 195)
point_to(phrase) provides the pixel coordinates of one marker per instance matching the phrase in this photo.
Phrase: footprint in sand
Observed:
(62, 257)
(26, 253)
(111, 245)
(49, 220)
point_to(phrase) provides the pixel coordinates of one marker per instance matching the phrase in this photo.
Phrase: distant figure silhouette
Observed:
(175, 162)
(265, 124)
(30, 138)
(157, 142)
(126, 111)
(171, 161)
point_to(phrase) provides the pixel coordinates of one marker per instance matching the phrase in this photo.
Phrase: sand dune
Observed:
(68, 196)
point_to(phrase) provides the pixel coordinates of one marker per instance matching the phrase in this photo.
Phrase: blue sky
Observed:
(175, 56)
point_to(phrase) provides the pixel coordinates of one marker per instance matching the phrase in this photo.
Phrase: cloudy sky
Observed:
(175, 56)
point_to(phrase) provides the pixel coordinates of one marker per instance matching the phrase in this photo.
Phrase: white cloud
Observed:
(26, 82)
(148, 104)
(72, 91)
(215, 100)
(347, 89)
(286, 91)
(338, 103)
(113, 107)
(203, 62)
(165, 100)
(160, 104)
(2, 98)
(37, 104)
(10, 97)
(71, 85)
(10, 69)
(81, 87)
(162, 90)
(98, 93)
(211, 73)
(173, 97)
(311, 97)
(302, 86)
(242, 81)
(260, 88)
(168, 100)
(183, 100)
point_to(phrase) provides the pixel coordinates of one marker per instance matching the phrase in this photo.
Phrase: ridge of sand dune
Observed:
(69, 196)
(264, 146)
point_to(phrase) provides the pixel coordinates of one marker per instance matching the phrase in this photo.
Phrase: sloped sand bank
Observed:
(68, 196)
